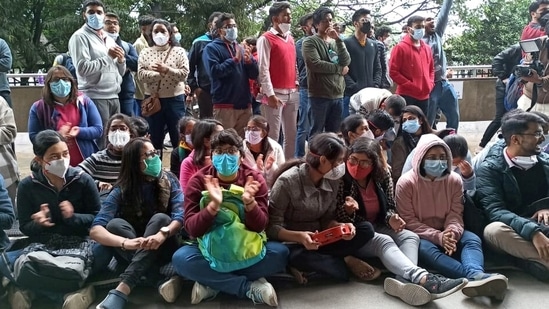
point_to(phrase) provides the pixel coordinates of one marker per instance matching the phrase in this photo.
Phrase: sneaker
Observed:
(114, 299)
(494, 285)
(535, 269)
(440, 286)
(170, 289)
(410, 293)
(262, 292)
(82, 298)
(19, 299)
(201, 292)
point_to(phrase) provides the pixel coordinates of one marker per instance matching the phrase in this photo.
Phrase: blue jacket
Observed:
(229, 78)
(44, 117)
(7, 216)
(127, 88)
(435, 40)
(5, 65)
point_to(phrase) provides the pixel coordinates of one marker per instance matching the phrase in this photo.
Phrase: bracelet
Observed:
(123, 247)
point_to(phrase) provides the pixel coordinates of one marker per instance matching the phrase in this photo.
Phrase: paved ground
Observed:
(524, 291)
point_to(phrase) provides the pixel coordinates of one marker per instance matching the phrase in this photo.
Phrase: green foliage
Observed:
(494, 26)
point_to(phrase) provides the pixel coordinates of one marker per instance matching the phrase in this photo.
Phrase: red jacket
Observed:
(412, 69)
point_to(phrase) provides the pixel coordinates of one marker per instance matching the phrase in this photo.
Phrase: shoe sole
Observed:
(494, 286)
(90, 295)
(410, 293)
(170, 289)
(451, 291)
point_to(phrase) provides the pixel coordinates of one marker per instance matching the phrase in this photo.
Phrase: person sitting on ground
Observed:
(8, 159)
(430, 200)
(141, 127)
(139, 221)
(104, 165)
(512, 186)
(200, 157)
(260, 151)
(381, 124)
(7, 218)
(56, 202)
(303, 201)
(179, 153)
(367, 195)
(355, 126)
(66, 110)
(234, 190)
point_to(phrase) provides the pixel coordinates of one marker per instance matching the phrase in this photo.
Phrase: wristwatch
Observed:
(166, 231)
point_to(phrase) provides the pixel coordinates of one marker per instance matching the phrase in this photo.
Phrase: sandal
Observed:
(114, 300)
(362, 269)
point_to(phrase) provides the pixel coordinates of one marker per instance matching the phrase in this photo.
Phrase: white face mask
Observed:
(336, 172)
(57, 167)
(253, 137)
(369, 134)
(188, 140)
(160, 39)
(113, 36)
(119, 138)
(284, 28)
(525, 163)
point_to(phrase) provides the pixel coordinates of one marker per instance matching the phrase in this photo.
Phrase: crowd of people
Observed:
(293, 138)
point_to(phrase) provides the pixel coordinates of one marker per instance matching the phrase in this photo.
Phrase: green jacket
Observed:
(324, 62)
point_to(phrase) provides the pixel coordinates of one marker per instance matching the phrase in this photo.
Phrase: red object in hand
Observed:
(331, 235)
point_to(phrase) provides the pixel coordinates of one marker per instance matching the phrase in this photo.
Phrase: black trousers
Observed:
(423, 104)
(205, 105)
(493, 127)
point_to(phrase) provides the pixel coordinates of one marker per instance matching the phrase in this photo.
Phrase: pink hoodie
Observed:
(430, 207)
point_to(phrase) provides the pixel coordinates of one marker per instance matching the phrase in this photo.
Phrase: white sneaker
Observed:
(19, 299)
(262, 292)
(201, 292)
(493, 286)
(170, 289)
(80, 299)
(410, 293)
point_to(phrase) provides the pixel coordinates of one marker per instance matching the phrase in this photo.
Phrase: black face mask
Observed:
(366, 27)
(543, 19)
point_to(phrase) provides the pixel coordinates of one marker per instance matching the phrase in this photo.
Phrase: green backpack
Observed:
(228, 245)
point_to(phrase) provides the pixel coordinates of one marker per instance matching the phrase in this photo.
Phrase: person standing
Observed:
(277, 76)
(141, 43)
(304, 121)
(533, 30)
(327, 61)
(5, 66)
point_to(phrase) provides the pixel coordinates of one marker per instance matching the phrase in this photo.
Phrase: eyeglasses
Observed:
(537, 134)
(111, 22)
(151, 153)
(231, 150)
(361, 163)
(254, 129)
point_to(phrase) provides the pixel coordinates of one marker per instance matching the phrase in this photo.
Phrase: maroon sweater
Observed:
(198, 222)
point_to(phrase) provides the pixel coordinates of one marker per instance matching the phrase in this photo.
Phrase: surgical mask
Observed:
(58, 167)
(369, 134)
(253, 137)
(177, 36)
(379, 138)
(525, 163)
(119, 138)
(226, 164)
(231, 34)
(188, 139)
(366, 27)
(60, 88)
(284, 27)
(435, 167)
(418, 34)
(95, 21)
(113, 36)
(336, 172)
(390, 135)
(153, 166)
(358, 172)
(160, 39)
(411, 126)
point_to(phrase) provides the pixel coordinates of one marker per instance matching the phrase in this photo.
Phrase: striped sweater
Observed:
(102, 166)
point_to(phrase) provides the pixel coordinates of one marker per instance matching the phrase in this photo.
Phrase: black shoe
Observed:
(440, 286)
(535, 269)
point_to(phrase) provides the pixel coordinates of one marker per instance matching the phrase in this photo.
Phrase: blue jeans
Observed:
(444, 96)
(303, 123)
(189, 262)
(137, 107)
(346, 101)
(325, 115)
(127, 107)
(466, 262)
(172, 109)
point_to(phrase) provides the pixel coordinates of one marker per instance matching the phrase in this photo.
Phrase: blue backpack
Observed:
(513, 92)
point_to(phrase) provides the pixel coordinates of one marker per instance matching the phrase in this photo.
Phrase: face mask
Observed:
(188, 140)
(336, 172)
(60, 88)
(543, 20)
(358, 172)
(226, 164)
(177, 36)
(58, 167)
(153, 166)
(160, 39)
(366, 27)
(525, 163)
(435, 167)
(411, 126)
(379, 138)
(253, 137)
(113, 36)
(119, 138)
(418, 34)
(231, 34)
(369, 134)
(95, 21)
(284, 27)
(387, 41)
(390, 135)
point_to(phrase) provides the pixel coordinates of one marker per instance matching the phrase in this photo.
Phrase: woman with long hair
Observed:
(139, 220)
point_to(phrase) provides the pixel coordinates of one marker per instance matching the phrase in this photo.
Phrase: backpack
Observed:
(513, 92)
(228, 245)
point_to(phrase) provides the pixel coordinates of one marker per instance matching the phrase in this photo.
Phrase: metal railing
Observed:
(471, 71)
(26, 79)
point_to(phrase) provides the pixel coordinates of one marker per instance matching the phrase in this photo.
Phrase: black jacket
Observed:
(504, 62)
(365, 67)
(198, 75)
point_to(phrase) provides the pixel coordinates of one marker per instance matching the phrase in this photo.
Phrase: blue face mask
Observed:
(418, 34)
(231, 34)
(226, 164)
(435, 167)
(411, 126)
(60, 88)
(177, 36)
(95, 21)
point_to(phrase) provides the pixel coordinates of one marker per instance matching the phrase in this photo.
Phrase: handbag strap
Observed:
(163, 61)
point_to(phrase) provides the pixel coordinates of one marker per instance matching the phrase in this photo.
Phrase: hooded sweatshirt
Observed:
(430, 206)
(367, 100)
